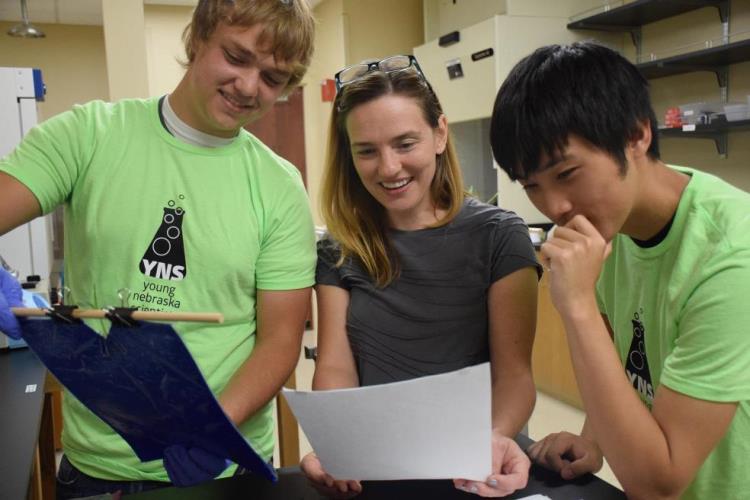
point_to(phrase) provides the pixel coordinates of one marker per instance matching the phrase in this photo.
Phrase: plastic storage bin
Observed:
(700, 112)
(737, 112)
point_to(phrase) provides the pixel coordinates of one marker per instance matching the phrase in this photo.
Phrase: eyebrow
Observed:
(245, 52)
(253, 57)
(406, 135)
(554, 161)
(395, 139)
(279, 73)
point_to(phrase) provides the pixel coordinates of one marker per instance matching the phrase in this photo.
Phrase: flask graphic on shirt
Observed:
(636, 366)
(165, 256)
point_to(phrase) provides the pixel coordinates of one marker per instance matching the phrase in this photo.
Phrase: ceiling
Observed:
(72, 11)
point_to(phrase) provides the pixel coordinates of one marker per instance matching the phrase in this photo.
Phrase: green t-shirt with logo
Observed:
(184, 228)
(679, 314)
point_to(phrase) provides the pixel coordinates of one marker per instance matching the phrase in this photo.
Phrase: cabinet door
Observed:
(519, 36)
(551, 365)
(470, 96)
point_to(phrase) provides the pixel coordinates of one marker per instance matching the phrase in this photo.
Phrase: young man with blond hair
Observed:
(238, 235)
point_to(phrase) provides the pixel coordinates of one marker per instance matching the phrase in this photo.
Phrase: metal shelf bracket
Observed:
(721, 140)
(637, 36)
(723, 9)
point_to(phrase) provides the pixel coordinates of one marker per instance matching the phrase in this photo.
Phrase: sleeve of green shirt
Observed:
(50, 158)
(287, 255)
(711, 355)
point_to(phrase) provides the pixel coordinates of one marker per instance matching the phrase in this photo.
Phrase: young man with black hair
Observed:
(653, 257)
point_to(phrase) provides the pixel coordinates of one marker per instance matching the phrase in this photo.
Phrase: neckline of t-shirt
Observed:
(155, 120)
(408, 232)
(678, 223)
(186, 133)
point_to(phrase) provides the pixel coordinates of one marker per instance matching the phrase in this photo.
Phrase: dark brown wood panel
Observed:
(283, 130)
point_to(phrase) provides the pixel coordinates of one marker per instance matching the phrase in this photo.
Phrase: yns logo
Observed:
(636, 366)
(165, 256)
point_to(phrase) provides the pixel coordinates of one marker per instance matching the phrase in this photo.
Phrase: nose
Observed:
(389, 164)
(247, 82)
(555, 205)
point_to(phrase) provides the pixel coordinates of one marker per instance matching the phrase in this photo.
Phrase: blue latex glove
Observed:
(191, 466)
(10, 296)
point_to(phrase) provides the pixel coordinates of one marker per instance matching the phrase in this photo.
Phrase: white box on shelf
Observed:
(700, 112)
(737, 112)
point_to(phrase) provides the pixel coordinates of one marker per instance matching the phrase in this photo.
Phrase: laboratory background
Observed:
(696, 56)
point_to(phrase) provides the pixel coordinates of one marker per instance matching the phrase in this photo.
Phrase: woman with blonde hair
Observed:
(415, 278)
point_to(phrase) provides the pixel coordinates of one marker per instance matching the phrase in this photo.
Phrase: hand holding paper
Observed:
(510, 470)
(326, 484)
(436, 427)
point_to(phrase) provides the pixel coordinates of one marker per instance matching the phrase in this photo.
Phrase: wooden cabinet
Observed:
(553, 370)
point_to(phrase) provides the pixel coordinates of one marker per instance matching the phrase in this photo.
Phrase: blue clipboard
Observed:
(143, 382)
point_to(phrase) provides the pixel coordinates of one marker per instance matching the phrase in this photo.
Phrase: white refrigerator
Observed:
(26, 249)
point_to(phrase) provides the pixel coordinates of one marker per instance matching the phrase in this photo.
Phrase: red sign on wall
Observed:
(327, 90)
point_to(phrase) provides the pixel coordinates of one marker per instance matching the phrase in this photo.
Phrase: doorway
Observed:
(283, 130)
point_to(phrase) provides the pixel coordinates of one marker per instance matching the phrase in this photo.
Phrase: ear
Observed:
(639, 144)
(441, 135)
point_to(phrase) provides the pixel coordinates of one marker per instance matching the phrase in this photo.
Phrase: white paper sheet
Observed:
(436, 427)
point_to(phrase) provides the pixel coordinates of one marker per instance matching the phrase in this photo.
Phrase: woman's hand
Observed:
(324, 483)
(569, 454)
(510, 470)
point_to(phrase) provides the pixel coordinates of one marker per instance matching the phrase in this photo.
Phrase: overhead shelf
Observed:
(710, 59)
(716, 131)
(632, 15)
(713, 55)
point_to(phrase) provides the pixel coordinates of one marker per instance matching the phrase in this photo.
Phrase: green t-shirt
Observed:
(679, 314)
(184, 228)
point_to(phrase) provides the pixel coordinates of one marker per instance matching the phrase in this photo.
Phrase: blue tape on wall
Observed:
(40, 90)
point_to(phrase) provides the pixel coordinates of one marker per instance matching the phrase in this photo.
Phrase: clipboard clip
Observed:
(122, 316)
(63, 313)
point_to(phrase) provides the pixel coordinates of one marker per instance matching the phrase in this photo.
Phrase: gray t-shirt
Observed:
(433, 317)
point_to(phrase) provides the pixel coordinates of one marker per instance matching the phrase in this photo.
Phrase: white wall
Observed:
(72, 61)
(380, 28)
(348, 31)
(443, 16)
(328, 58)
(164, 48)
(125, 45)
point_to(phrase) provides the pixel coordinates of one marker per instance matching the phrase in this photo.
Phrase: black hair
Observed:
(582, 89)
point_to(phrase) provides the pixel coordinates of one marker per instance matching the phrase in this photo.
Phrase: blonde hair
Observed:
(353, 217)
(289, 26)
